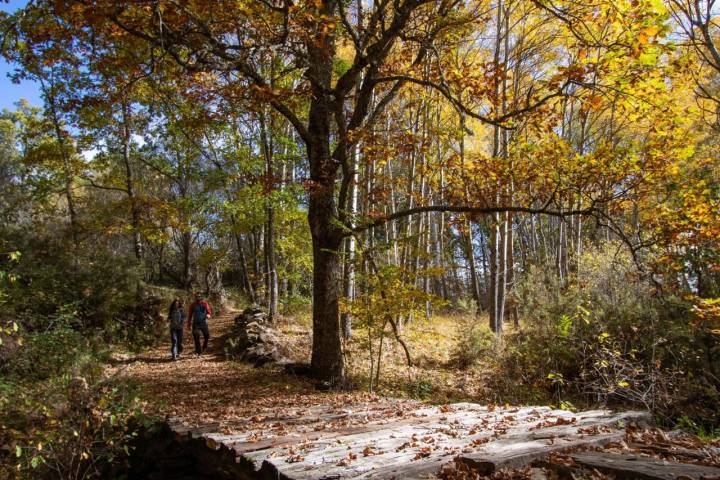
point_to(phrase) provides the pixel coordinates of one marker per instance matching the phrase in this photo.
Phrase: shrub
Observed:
(70, 428)
(420, 388)
(59, 418)
(295, 305)
(92, 287)
(610, 336)
(47, 354)
(474, 342)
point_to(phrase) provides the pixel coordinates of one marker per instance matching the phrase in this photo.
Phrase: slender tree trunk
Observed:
(244, 274)
(130, 180)
(187, 265)
(470, 253)
(67, 169)
(502, 273)
(497, 237)
(468, 233)
(493, 293)
(484, 258)
(350, 247)
(511, 272)
(533, 238)
(349, 272)
(561, 246)
(256, 241)
(271, 278)
(441, 216)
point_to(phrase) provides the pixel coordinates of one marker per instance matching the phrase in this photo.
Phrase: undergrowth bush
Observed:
(295, 305)
(606, 336)
(474, 342)
(47, 354)
(92, 287)
(60, 418)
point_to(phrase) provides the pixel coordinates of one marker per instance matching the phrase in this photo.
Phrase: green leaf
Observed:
(18, 451)
(659, 6)
(648, 58)
(564, 324)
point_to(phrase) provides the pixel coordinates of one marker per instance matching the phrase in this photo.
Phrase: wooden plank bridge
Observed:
(397, 439)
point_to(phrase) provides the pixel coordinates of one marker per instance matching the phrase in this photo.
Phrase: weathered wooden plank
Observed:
(520, 454)
(199, 432)
(422, 457)
(326, 453)
(427, 418)
(363, 442)
(675, 451)
(517, 450)
(522, 448)
(637, 467)
(394, 435)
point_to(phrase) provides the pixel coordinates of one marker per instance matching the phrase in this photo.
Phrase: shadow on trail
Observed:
(215, 352)
(142, 359)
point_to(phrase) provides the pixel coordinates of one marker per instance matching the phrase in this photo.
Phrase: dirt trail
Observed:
(213, 388)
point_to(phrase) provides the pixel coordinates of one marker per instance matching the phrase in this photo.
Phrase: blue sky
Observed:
(10, 92)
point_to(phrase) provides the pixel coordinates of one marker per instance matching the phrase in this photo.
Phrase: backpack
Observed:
(177, 319)
(199, 313)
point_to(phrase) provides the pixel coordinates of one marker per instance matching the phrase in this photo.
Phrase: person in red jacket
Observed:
(198, 315)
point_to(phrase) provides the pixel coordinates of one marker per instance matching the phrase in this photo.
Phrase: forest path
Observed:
(212, 388)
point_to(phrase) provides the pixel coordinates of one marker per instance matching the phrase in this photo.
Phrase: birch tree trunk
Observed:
(271, 279)
(126, 136)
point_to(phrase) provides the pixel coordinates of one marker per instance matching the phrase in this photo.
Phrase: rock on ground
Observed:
(256, 340)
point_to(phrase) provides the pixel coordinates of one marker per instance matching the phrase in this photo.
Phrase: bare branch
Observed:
(473, 210)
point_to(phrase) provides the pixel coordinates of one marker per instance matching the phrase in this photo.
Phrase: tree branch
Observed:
(591, 210)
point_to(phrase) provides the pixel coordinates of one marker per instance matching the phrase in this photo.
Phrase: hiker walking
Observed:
(176, 318)
(198, 315)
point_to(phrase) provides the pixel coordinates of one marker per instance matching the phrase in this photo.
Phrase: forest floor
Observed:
(211, 387)
(237, 399)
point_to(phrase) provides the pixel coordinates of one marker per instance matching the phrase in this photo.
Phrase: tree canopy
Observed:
(410, 134)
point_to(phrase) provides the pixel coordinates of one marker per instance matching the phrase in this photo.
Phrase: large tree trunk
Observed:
(327, 360)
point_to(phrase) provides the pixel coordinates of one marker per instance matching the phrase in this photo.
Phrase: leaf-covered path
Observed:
(211, 388)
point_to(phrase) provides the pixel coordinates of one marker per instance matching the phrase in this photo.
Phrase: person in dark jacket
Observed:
(198, 315)
(176, 319)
